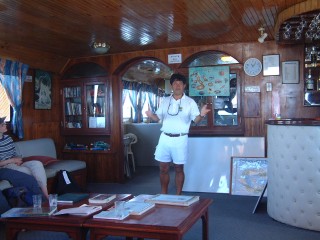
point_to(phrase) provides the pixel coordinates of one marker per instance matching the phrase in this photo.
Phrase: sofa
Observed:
(45, 150)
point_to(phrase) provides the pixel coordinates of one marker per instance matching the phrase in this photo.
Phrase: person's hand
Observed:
(17, 160)
(149, 113)
(204, 110)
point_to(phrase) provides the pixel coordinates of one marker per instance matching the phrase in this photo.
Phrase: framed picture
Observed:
(42, 90)
(271, 65)
(248, 175)
(290, 72)
(209, 81)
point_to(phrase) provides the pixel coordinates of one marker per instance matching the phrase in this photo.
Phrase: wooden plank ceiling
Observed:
(45, 34)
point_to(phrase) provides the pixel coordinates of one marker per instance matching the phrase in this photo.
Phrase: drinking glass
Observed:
(37, 200)
(53, 200)
(119, 208)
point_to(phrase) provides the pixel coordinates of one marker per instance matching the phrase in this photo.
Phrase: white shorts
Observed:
(173, 149)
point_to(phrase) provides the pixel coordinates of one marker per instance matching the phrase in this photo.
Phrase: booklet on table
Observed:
(29, 212)
(178, 200)
(111, 214)
(72, 197)
(102, 198)
(83, 210)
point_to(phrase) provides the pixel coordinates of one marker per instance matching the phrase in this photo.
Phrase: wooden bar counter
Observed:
(293, 147)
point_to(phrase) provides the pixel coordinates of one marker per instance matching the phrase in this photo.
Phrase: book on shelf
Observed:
(83, 210)
(111, 214)
(178, 200)
(29, 212)
(102, 198)
(72, 197)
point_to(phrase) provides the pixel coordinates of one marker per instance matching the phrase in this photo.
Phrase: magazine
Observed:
(102, 198)
(83, 210)
(179, 200)
(29, 212)
(138, 208)
(111, 214)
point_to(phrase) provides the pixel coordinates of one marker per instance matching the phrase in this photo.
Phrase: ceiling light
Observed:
(100, 47)
(226, 58)
(263, 35)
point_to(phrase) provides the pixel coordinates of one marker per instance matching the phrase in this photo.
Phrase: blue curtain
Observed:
(151, 102)
(133, 86)
(137, 96)
(12, 77)
(141, 101)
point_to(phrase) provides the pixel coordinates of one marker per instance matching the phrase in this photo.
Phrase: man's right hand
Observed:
(149, 113)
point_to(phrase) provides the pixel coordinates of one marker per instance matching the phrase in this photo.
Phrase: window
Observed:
(219, 87)
(4, 104)
(144, 81)
(128, 111)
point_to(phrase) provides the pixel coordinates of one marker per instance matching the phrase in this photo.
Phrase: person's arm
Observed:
(15, 160)
(204, 111)
(152, 115)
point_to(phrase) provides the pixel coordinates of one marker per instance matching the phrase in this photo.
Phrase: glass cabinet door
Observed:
(96, 109)
(73, 107)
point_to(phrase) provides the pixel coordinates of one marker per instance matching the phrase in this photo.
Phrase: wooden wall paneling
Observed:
(31, 115)
(100, 167)
(253, 127)
(252, 104)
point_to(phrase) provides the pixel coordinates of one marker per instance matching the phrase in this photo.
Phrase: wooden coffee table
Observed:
(71, 225)
(162, 222)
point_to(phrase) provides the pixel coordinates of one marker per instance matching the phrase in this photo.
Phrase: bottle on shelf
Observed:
(314, 56)
(318, 84)
(309, 81)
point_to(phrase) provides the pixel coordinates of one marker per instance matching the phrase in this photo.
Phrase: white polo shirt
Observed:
(176, 115)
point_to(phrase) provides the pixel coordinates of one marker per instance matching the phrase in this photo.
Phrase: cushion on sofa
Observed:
(36, 147)
(50, 172)
(69, 165)
(44, 159)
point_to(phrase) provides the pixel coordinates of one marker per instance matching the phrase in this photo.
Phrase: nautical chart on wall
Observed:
(209, 81)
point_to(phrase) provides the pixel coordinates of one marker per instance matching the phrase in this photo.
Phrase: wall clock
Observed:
(252, 67)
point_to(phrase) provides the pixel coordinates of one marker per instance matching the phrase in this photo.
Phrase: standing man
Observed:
(176, 113)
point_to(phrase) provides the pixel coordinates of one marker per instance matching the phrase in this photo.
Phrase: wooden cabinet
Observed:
(85, 107)
(85, 116)
(86, 127)
(312, 75)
